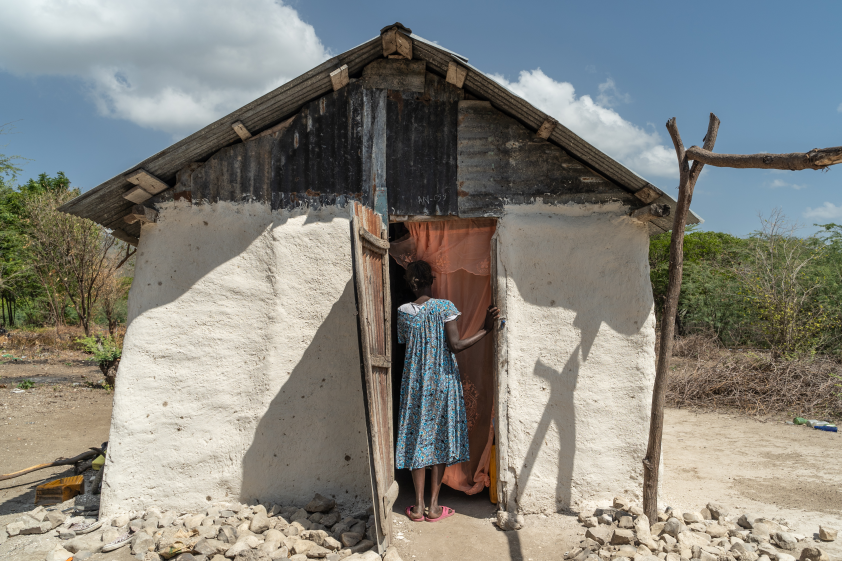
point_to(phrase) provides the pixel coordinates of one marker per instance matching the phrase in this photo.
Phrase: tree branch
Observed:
(818, 158)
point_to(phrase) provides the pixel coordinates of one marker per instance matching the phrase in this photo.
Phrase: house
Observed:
(258, 360)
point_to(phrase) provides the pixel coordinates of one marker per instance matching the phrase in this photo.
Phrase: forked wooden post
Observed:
(688, 176)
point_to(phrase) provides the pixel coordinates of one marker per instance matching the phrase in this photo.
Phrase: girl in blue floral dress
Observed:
(433, 430)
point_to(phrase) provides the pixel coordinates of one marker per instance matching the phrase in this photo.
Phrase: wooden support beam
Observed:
(339, 77)
(647, 194)
(137, 195)
(142, 214)
(146, 181)
(650, 212)
(121, 235)
(547, 128)
(456, 74)
(241, 131)
(817, 158)
(396, 44)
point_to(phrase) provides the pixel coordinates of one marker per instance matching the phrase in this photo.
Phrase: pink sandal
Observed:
(446, 512)
(408, 515)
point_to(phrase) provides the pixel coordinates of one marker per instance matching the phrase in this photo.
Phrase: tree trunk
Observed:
(688, 176)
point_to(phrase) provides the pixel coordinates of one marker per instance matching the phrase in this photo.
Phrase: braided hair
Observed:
(419, 274)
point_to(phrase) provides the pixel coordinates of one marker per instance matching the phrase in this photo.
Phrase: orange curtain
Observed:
(459, 251)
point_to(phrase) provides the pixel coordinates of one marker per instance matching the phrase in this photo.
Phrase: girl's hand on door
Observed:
(491, 317)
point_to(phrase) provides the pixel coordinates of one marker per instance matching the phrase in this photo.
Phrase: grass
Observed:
(26, 384)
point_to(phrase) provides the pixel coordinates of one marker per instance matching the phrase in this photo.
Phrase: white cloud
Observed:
(779, 183)
(596, 122)
(609, 95)
(170, 66)
(828, 211)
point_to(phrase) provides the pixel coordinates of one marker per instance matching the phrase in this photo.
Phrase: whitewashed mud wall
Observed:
(581, 364)
(240, 374)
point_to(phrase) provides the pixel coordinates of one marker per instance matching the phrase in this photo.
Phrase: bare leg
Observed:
(418, 480)
(435, 477)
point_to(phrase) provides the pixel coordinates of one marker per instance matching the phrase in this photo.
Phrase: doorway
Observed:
(459, 250)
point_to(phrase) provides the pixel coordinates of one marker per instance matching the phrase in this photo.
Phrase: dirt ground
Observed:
(750, 465)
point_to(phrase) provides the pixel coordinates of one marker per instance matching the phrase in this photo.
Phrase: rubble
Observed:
(827, 534)
(623, 533)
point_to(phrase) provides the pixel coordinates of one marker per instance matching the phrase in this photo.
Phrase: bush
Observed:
(105, 349)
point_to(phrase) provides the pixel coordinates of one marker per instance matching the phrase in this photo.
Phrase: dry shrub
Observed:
(754, 382)
(47, 339)
(697, 345)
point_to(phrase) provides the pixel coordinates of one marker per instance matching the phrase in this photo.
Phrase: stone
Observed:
(227, 534)
(150, 556)
(657, 528)
(716, 531)
(317, 552)
(82, 555)
(626, 522)
(292, 530)
(365, 545)
(590, 522)
(706, 514)
(622, 503)
(768, 551)
(697, 527)
(785, 557)
(260, 523)
(55, 518)
(136, 525)
(120, 521)
(194, 521)
(689, 539)
(141, 542)
(110, 535)
(691, 517)
(299, 514)
(226, 513)
(150, 525)
(278, 522)
(303, 524)
(663, 517)
(717, 511)
(604, 519)
(185, 557)
(672, 557)
(600, 534)
(635, 510)
(827, 534)
(622, 537)
(282, 553)
(59, 554)
(66, 534)
(350, 539)
(747, 521)
(641, 527)
(672, 527)
(330, 519)
(236, 549)
(208, 547)
(669, 541)
(813, 554)
(785, 540)
(743, 551)
(298, 557)
(33, 526)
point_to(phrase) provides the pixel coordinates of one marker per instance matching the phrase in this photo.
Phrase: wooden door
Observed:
(370, 257)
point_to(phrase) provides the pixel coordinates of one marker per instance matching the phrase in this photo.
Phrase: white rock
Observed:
(59, 554)
(827, 534)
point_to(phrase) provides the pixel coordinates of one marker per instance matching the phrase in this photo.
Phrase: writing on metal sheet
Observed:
(440, 197)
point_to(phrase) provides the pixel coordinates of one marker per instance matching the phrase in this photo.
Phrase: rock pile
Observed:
(623, 533)
(224, 532)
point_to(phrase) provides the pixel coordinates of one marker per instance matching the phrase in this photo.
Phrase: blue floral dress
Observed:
(433, 428)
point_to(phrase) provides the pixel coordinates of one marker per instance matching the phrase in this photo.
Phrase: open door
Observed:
(370, 257)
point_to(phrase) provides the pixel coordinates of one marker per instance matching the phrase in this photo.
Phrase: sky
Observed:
(92, 87)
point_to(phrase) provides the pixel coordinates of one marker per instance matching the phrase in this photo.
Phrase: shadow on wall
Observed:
(300, 434)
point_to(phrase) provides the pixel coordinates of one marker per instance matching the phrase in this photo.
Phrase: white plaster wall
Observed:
(581, 364)
(240, 375)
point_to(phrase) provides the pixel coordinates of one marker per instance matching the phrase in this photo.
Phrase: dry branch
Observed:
(818, 158)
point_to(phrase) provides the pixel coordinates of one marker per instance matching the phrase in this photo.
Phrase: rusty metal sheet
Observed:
(421, 149)
(502, 162)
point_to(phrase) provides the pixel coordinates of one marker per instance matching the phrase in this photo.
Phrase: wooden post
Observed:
(688, 176)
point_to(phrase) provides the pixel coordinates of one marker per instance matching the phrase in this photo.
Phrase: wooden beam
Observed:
(147, 181)
(817, 158)
(280, 127)
(647, 194)
(547, 128)
(142, 214)
(650, 212)
(241, 131)
(121, 235)
(402, 75)
(456, 74)
(396, 44)
(137, 195)
(339, 77)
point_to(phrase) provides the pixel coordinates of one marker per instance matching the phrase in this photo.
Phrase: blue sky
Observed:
(94, 87)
